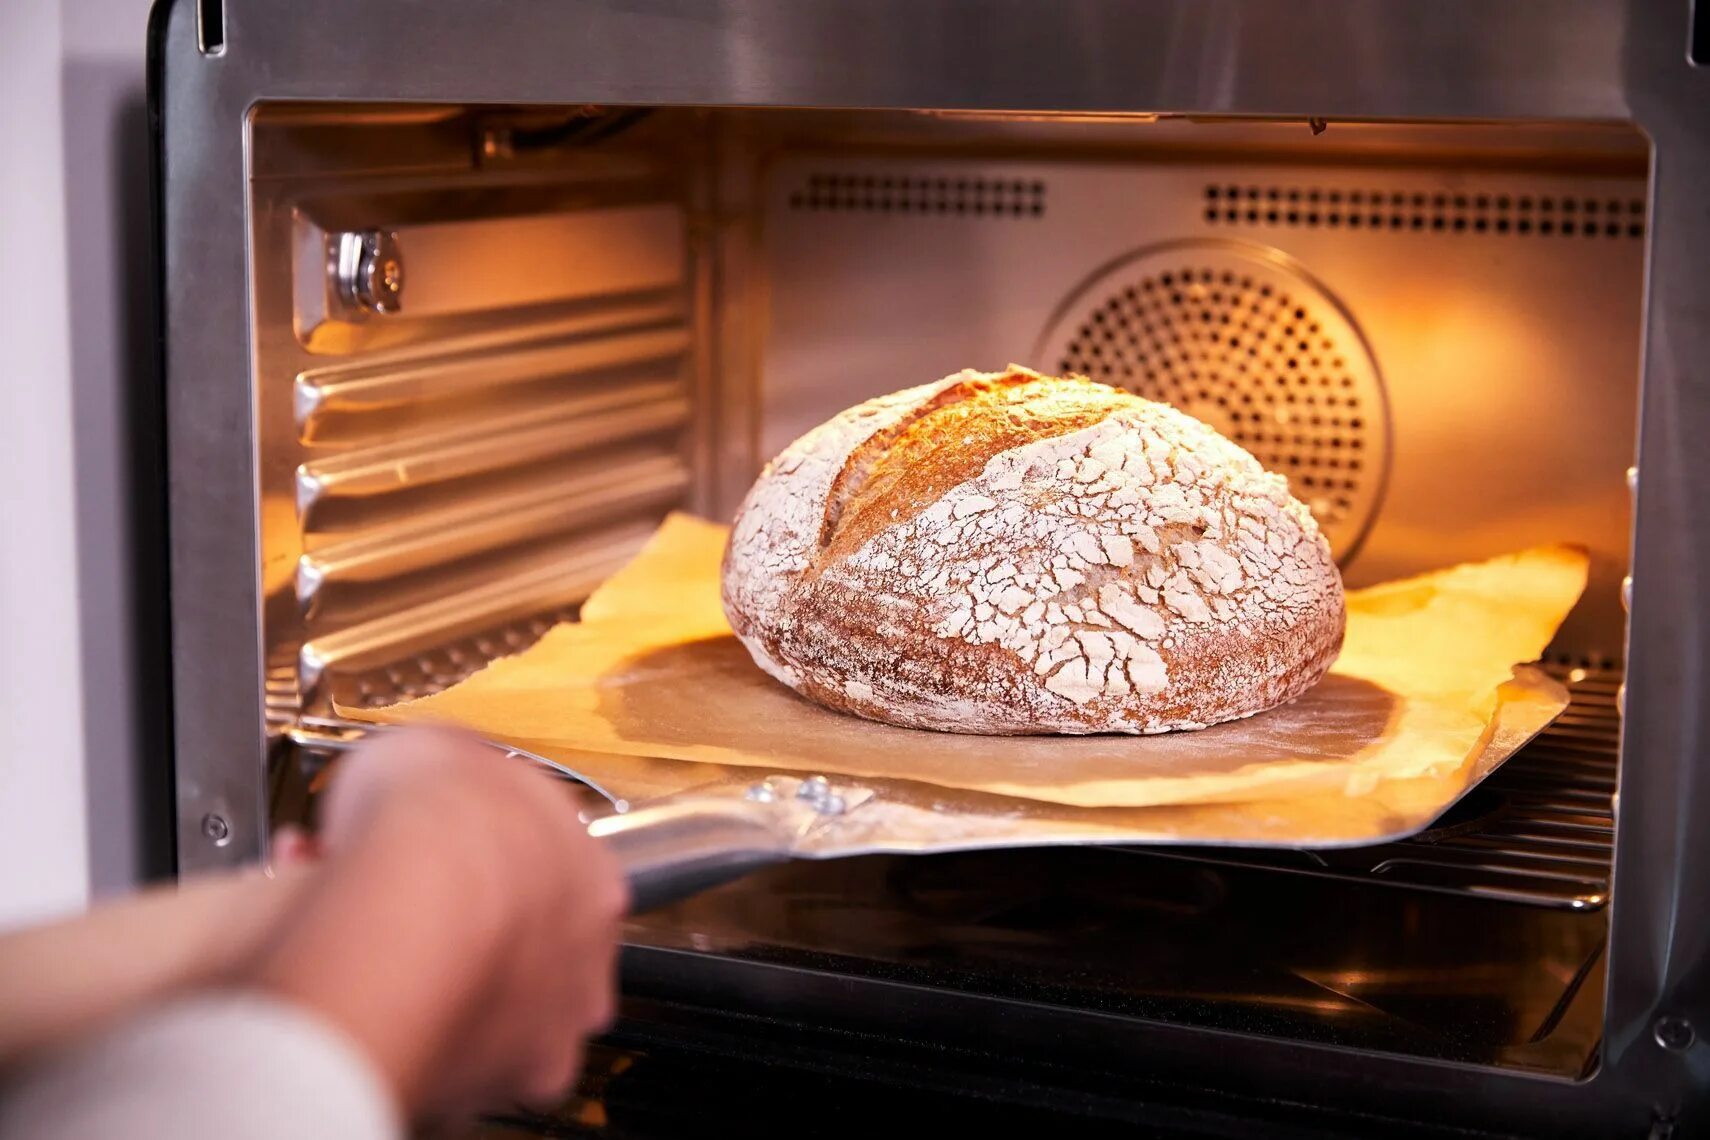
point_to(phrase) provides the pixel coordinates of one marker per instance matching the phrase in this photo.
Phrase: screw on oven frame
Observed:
(368, 270)
(216, 828)
(1674, 1033)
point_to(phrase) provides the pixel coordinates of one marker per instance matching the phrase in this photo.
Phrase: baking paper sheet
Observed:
(911, 817)
(652, 670)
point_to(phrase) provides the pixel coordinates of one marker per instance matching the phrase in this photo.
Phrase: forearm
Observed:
(66, 979)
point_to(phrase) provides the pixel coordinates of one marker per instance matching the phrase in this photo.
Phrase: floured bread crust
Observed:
(1011, 553)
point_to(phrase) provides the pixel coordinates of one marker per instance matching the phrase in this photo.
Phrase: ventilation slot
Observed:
(896, 194)
(1491, 214)
(211, 27)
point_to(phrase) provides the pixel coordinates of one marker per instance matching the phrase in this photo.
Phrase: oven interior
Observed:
(495, 345)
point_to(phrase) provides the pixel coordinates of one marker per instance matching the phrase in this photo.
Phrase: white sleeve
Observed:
(237, 1067)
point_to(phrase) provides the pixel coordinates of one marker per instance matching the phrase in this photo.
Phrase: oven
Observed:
(460, 300)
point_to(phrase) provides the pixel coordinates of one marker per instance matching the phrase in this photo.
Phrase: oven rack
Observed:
(1540, 830)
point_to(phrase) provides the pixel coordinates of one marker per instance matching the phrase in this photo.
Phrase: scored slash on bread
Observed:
(1014, 553)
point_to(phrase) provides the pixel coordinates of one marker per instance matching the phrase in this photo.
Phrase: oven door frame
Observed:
(1584, 60)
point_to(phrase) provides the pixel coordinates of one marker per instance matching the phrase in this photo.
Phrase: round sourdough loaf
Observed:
(1014, 553)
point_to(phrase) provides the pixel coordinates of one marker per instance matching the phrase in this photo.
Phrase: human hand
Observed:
(461, 925)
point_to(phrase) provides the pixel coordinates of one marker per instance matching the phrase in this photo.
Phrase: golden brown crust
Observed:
(894, 476)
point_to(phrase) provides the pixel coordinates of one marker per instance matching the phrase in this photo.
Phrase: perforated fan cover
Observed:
(1242, 338)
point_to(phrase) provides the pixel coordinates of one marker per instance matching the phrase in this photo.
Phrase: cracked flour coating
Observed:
(1013, 553)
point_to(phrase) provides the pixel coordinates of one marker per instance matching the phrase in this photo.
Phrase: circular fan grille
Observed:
(1241, 339)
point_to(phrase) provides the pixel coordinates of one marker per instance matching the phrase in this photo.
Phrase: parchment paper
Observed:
(910, 817)
(652, 670)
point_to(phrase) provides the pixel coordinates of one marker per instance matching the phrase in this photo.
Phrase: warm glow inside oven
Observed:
(493, 347)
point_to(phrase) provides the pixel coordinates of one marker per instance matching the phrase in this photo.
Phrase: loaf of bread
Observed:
(1012, 553)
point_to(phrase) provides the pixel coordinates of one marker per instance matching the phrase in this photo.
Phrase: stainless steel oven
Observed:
(461, 299)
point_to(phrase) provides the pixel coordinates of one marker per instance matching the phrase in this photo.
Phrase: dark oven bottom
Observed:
(638, 1087)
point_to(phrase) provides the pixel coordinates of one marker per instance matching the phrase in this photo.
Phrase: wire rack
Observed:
(1540, 830)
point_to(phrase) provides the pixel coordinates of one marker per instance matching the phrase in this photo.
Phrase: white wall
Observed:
(72, 191)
